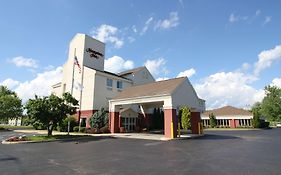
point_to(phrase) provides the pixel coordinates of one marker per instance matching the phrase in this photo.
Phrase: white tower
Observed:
(89, 52)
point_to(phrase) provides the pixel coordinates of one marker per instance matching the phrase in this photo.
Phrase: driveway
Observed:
(219, 152)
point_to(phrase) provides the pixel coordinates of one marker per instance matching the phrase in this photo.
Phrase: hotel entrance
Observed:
(129, 123)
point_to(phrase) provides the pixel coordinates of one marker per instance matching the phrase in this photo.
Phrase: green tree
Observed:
(51, 110)
(213, 120)
(256, 110)
(99, 119)
(271, 104)
(10, 104)
(185, 117)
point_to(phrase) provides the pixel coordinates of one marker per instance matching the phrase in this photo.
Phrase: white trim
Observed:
(229, 117)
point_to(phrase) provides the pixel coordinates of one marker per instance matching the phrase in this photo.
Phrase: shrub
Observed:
(185, 118)
(38, 126)
(75, 128)
(82, 129)
(264, 124)
(92, 131)
(104, 129)
(213, 120)
(99, 119)
(63, 126)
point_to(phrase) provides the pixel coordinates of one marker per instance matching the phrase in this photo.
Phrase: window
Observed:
(64, 87)
(119, 85)
(109, 83)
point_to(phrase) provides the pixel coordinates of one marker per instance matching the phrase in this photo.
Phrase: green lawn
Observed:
(55, 137)
(16, 127)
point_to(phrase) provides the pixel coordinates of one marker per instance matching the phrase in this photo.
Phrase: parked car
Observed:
(278, 125)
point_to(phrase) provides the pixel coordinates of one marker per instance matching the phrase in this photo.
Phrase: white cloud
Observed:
(234, 18)
(147, 24)
(131, 39)
(108, 33)
(41, 85)
(156, 66)
(10, 83)
(187, 73)
(21, 61)
(172, 21)
(266, 58)
(134, 29)
(228, 88)
(267, 19)
(276, 82)
(181, 3)
(258, 12)
(117, 64)
(162, 78)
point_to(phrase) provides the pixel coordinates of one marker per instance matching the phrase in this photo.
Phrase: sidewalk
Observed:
(146, 136)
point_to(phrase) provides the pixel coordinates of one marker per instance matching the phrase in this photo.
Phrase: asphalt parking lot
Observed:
(218, 152)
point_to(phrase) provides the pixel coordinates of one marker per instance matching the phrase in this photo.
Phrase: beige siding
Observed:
(185, 95)
(102, 94)
(141, 77)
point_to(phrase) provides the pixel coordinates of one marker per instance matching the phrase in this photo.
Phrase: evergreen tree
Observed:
(213, 120)
(99, 119)
(185, 118)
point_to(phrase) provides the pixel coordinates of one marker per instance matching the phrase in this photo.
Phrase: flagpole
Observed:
(72, 83)
(68, 123)
(81, 93)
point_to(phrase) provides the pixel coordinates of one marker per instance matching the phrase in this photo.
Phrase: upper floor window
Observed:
(109, 83)
(119, 85)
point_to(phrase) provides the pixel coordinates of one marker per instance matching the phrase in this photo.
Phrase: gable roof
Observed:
(131, 71)
(165, 87)
(227, 111)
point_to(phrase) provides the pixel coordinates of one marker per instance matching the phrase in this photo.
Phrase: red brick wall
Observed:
(232, 123)
(169, 117)
(85, 114)
(195, 119)
(114, 122)
(237, 123)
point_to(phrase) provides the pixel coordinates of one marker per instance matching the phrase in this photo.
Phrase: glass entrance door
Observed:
(129, 123)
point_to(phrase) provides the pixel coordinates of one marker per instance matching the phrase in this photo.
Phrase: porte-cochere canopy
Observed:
(169, 95)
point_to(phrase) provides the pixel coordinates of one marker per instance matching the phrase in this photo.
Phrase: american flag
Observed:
(77, 63)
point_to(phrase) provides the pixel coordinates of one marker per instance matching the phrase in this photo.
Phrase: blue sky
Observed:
(229, 50)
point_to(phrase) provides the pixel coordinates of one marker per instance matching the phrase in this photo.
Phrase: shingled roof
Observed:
(165, 87)
(227, 111)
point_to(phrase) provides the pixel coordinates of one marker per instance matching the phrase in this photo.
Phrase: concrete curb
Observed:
(41, 141)
(185, 137)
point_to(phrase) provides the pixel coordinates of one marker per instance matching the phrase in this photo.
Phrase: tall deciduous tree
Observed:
(10, 104)
(185, 118)
(271, 104)
(52, 109)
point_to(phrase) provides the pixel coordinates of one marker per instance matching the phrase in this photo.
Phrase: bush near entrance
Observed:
(185, 116)
(213, 120)
(99, 121)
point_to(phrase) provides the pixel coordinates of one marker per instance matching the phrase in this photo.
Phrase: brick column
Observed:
(114, 122)
(237, 123)
(170, 117)
(195, 119)
(232, 123)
